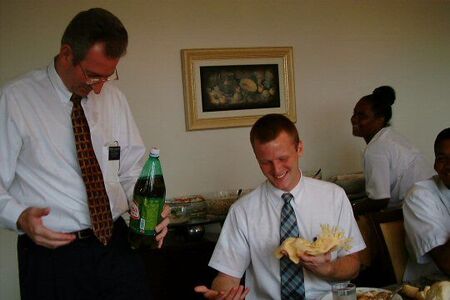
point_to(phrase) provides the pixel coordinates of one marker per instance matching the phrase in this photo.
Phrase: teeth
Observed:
(280, 176)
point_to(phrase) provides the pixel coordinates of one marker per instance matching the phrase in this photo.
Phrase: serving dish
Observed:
(362, 290)
(187, 208)
(351, 183)
(219, 202)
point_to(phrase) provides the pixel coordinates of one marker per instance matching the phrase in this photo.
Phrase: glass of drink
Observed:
(343, 291)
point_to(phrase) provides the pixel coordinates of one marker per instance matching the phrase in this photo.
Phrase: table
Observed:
(181, 264)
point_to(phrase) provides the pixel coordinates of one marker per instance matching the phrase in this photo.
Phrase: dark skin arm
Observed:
(367, 205)
(440, 255)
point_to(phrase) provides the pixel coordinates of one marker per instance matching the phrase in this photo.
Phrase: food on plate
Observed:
(438, 291)
(420, 295)
(410, 290)
(374, 295)
(330, 239)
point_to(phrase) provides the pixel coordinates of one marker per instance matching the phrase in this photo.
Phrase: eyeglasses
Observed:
(97, 80)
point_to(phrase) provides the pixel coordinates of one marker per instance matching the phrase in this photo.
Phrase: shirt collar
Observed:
(443, 189)
(378, 135)
(60, 88)
(276, 193)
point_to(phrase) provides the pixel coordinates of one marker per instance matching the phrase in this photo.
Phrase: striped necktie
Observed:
(292, 287)
(98, 201)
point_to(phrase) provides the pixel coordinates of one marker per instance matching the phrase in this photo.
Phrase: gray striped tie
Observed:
(292, 287)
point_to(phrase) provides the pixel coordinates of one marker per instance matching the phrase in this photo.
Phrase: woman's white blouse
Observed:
(392, 165)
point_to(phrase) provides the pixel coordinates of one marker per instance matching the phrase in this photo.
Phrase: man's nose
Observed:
(277, 168)
(97, 88)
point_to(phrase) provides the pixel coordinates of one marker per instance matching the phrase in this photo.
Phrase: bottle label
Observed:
(149, 214)
(134, 210)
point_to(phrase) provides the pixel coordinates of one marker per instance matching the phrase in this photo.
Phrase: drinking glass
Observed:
(344, 291)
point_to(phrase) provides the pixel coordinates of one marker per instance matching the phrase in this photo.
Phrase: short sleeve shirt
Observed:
(251, 234)
(426, 213)
(392, 165)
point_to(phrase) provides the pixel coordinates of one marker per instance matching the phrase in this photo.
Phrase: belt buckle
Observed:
(83, 234)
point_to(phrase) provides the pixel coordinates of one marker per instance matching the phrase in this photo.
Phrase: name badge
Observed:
(113, 162)
(114, 153)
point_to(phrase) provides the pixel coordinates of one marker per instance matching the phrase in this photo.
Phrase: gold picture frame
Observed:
(233, 87)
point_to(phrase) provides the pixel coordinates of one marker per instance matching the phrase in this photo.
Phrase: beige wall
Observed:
(342, 51)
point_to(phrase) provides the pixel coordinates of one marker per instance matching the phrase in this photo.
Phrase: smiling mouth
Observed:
(280, 176)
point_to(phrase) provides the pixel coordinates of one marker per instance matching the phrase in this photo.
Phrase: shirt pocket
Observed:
(111, 165)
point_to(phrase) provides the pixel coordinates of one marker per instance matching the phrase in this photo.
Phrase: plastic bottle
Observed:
(148, 201)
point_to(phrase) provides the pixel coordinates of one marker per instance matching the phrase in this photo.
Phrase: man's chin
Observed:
(83, 92)
(280, 185)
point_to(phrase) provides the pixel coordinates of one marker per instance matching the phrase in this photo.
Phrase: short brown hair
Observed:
(92, 26)
(269, 127)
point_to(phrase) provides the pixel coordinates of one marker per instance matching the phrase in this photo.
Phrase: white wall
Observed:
(342, 51)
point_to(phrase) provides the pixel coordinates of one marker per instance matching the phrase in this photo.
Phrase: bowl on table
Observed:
(353, 184)
(218, 203)
(187, 209)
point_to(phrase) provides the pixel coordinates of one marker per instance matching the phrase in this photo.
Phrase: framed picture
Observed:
(233, 87)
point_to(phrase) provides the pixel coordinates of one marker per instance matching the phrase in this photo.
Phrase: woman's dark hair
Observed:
(93, 26)
(268, 127)
(381, 100)
(441, 137)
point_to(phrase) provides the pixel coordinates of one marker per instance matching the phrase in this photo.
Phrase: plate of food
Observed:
(367, 293)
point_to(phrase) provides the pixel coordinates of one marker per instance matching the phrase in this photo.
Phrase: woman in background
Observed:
(391, 163)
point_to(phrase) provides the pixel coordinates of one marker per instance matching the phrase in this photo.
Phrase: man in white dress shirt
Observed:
(42, 192)
(426, 213)
(251, 232)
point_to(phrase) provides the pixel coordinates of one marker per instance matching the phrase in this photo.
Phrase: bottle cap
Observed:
(154, 152)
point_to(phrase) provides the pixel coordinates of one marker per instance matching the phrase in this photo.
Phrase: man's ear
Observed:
(66, 54)
(300, 148)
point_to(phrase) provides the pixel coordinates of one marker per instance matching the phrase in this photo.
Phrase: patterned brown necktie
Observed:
(98, 201)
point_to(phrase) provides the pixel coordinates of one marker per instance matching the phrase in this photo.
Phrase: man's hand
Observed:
(224, 287)
(30, 221)
(342, 268)
(319, 265)
(161, 228)
(235, 293)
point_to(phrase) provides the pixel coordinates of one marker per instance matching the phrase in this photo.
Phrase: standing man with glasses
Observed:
(70, 154)
(287, 204)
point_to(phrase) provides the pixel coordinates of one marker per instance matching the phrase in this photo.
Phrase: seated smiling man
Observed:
(256, 226)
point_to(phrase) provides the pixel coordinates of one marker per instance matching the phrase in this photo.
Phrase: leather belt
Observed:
(88, 232)
(84, 234)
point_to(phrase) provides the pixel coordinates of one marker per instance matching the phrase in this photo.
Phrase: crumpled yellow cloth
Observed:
(330, 239)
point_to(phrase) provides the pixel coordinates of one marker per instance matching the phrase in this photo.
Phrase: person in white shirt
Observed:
(251, 231)
(426, 212)
(391, 163)
(42, 192)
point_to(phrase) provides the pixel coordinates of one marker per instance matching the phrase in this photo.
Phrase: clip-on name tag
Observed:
(113, 161)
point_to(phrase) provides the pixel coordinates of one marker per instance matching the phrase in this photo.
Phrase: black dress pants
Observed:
(82, 270)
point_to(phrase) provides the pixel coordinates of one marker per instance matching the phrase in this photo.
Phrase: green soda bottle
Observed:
(147, 204)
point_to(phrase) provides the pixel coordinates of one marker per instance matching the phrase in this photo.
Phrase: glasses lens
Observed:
(96, 80)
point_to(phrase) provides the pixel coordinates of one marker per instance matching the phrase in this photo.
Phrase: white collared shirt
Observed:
(426, 212)
(251, 233)
(39, 164)
(392, 165)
